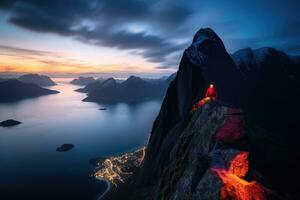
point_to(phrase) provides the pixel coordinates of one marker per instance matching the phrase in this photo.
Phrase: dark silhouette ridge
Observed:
(37, 79)
(82, 80)
(14, 90)
(133, 89)
(91, 86)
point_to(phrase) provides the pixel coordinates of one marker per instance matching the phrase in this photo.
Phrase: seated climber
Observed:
(211, 92)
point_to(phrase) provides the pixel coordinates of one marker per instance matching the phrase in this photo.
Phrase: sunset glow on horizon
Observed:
(21, 52)
(60, 55)
(135, 37)
(15, 60)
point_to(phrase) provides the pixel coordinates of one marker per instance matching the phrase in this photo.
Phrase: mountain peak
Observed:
(206, 45)
(180, 148)
(134, 78)
(82, 80)
(207, 34)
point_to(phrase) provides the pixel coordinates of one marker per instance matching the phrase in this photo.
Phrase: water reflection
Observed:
(29, 162)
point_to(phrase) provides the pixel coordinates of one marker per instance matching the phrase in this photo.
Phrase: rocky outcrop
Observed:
(14, 90)
(9, 122)
(37, 79)
(189, 155)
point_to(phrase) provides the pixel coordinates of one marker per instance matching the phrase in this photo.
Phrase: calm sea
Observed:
(30, 167)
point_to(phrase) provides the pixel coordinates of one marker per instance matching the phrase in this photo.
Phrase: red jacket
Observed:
(211, 92)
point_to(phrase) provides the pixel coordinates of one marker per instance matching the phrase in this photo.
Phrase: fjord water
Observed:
(30, 166)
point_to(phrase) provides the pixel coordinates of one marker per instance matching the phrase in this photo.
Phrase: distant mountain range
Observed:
(2, 79)
(40, 80)
(82, 80)
(14, 90)
(91, 86)
(131, 90)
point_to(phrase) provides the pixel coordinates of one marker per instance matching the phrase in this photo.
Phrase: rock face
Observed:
(186, 148)
(37, 79)
(132, 90)
(9, 122)
(83, 80)
(271, 78)
(14, 90)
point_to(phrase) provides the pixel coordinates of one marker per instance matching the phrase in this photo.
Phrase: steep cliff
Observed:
(191, 154)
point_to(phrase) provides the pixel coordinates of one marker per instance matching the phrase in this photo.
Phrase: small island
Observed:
(9, 122)
(102, 108)
(65, 147)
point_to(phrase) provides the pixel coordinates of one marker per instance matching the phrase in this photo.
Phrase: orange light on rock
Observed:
(240, 165)
(210, 94)
(234, 186)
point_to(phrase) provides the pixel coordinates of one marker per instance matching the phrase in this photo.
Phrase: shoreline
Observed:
(116, 169)
(107, 188)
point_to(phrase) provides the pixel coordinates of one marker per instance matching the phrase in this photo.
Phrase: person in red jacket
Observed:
(211, 92)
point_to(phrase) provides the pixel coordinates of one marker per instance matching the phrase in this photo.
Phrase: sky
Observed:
(138, 37)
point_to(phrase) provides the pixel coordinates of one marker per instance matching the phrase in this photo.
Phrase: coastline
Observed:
(107, 188)
(116, 169)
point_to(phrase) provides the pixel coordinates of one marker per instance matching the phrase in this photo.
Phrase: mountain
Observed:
(82, 80)
(132, 90)
(156, 80)
(270, 76)
(40, 80)
(91, 86)
(14, 90)
(2, 79)
(169, 79)
(100, 92)
(225, 149)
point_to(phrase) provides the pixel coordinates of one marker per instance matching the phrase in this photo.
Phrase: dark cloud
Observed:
(150, 27)
(11, 49)
(101, 22)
